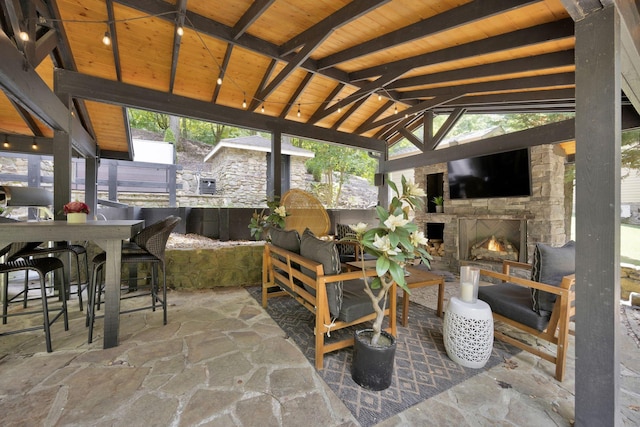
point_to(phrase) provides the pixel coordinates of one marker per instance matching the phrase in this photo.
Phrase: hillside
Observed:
(356, 193)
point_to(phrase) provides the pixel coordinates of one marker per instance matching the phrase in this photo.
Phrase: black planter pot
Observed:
(372, 366)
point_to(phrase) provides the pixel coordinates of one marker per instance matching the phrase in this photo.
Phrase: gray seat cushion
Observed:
(514, 302)
(550, 265)
(355, 302)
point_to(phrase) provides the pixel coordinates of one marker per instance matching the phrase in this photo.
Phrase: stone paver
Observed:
(221, 361)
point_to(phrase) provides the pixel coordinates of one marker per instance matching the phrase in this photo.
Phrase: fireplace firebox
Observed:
(490, 239)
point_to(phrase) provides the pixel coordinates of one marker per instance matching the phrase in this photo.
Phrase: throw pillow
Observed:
(285, 239)
(325, 253)
(342, 231)
(550, 265)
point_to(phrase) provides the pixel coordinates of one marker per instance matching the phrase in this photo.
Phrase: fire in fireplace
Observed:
(493, 248)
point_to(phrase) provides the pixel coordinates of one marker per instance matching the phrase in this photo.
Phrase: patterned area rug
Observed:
(422, 367)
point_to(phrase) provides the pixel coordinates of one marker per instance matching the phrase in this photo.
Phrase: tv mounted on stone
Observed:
(506, 174)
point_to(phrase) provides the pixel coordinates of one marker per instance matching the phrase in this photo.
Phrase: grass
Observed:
(630, 244)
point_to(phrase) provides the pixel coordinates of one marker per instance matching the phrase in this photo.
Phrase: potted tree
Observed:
(260, 222)
(439, 202)
(395, 242)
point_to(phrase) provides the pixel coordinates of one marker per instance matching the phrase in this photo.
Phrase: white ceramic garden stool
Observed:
(468, 332)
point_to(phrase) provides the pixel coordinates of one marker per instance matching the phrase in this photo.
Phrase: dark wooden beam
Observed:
(44, 46)
(350, 110)
(523, 83)
(223, 67)
(517, 39)
(256, 9)
(181, 8)
(115, 47)
(347, 14)
(103, 90)
(446, 127)
(294, 97)
(26, 88)
(548, 134)
(444, 21)
(384, 107)
(265, 78)
(27, 118)
(319, 113)
(550, 60)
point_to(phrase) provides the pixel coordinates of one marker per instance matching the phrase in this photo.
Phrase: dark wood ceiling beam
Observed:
(18, 23)
(265, 78)
(410, 137)
(256, 9)
(533, 63)
(364, 92)
(419, 108)
(294, 97)
(351, 109)
(44, 46)
(27, 118)
(446, 127)
(384, 107)
(515, 109)
(547, 134)
(347, 14)
(551, 95)
(181, 8)
(517, 39)
(223, 67)
(291, 67)
(453, 18)
(550, 80)
(115, 47)
(319, 113)
(112, 92)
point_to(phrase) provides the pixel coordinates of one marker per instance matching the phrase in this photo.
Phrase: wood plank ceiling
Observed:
(363, 67)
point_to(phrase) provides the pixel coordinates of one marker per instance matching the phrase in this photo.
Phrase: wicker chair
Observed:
(305, 211)
(42, 266)
(146, 247)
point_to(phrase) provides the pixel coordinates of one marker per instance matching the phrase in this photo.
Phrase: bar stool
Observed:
(42, 266)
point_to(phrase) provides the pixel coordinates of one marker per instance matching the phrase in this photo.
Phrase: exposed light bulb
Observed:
(395, 109)
(24, 36)
(379, 97)
(106, 40)
(299, 110)
(339, 109)
(262, 109)
(6, 142)
(244, 103)
(219, 81)
(406, 115)
(180, 30)
(34, 145)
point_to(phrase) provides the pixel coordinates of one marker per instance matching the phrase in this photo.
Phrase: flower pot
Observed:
(76, 218)
(439, 208)
(372, 366)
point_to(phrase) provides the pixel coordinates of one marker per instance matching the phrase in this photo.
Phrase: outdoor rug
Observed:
(422, 367)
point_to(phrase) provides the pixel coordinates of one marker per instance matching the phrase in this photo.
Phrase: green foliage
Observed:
(630, 153)
(438, 200)
(260, 222)
(168, 136)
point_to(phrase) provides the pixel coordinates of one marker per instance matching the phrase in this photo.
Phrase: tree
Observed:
(630, 152)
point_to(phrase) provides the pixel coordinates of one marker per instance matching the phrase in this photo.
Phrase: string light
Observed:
(395, 109)
(262, 109)
(106, 40)
(180, 30)
(339, 109)
(219, 81)
(6, 142)
(379, 97)
(299, 110)
(34, 145)
(244, 102)
(24, 36)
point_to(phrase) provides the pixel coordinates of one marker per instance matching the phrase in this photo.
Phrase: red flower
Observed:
(76, 207)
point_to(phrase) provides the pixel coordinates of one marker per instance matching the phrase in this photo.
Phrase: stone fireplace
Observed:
(520, 222)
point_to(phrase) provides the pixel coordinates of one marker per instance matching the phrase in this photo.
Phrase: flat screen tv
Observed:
(505, 174)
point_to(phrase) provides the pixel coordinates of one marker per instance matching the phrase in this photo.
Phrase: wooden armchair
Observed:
(512, 303)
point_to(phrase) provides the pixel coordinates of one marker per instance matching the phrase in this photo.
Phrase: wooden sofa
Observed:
(512, 303)
(286, 273)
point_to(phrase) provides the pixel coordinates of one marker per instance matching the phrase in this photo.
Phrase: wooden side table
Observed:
(417, 278)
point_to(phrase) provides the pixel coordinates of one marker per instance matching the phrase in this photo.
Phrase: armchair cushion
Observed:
(325, 253)
(285, 239)
(550, 265)
(513, 302)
